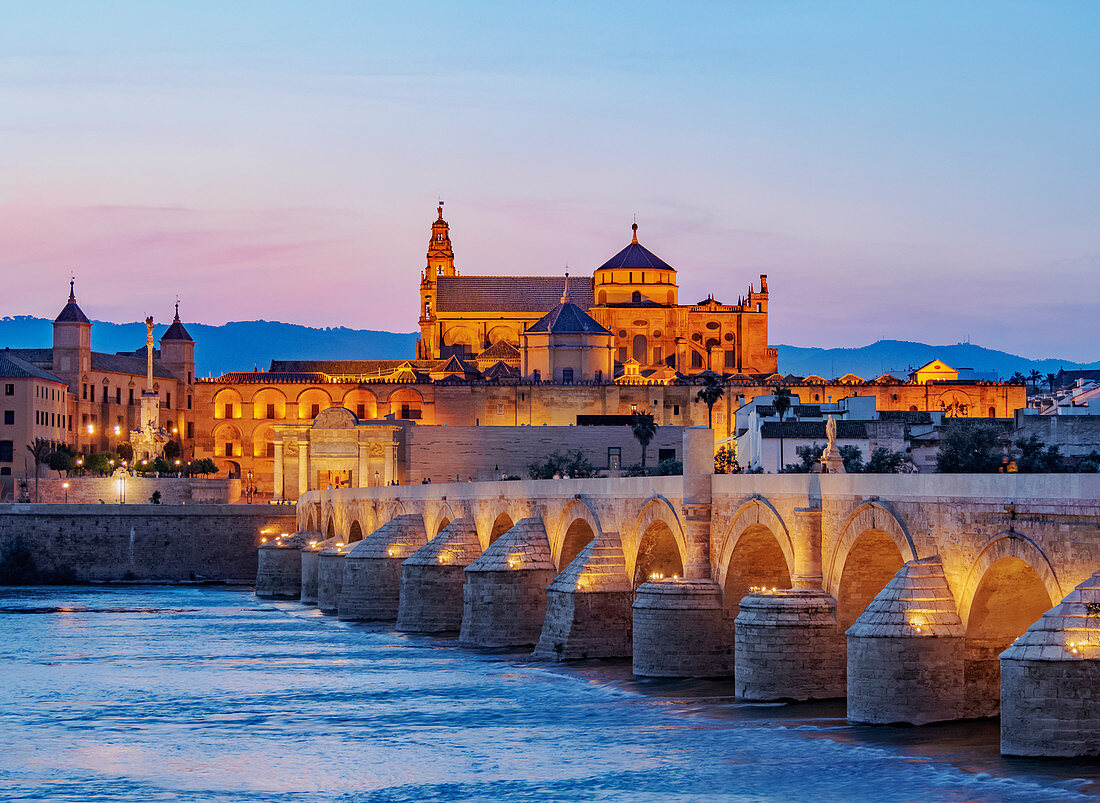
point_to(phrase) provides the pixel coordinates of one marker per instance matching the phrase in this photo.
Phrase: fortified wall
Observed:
(903, 593)
(138, 542)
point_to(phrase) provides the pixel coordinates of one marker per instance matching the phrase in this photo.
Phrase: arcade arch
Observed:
(361, 402)
(355, 533)
(269, 404)
(311, 402)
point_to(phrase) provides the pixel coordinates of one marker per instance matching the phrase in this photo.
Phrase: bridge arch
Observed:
(757, 551)
(355, 532)
(1010, 586)
(872, 547)
(576, 526)
(437, 517)
(657, 543)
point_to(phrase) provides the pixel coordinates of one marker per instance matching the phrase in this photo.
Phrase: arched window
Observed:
(640, 349)
(636, 297)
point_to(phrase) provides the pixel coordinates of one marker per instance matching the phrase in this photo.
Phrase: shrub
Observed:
(575, 464)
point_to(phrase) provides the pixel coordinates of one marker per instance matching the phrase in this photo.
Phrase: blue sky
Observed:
(924, 171)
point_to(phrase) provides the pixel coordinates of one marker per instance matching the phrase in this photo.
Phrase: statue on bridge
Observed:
(831, 461)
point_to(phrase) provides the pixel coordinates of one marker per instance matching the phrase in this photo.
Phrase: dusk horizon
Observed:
(286, 165)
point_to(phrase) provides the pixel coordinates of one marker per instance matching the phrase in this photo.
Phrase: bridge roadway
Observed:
(901, 592)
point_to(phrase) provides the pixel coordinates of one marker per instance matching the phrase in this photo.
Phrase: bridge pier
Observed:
(681, 630)
(504, 598)
(279, 566)
(588, 611)
(432, 579)
(1050, 681)
(371, 584)
(786, 646)
(330, 575)
(309, 568)
(905, 651)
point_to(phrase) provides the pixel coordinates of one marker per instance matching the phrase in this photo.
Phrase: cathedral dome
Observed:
(635, 276)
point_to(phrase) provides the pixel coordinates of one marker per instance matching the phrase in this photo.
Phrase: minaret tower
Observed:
(72, 342)
(441, 262)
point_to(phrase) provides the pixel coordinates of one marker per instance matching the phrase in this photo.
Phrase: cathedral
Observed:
(624, 319)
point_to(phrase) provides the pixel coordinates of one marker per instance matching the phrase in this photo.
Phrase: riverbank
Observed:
(138, 693)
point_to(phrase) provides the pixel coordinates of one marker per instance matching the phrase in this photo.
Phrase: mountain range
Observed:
(246, 345)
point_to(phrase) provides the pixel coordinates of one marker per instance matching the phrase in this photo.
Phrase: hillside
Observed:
(241, 345)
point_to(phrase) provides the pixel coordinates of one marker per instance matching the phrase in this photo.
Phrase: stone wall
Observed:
(138, 542)
(485, 453)
(138, 490)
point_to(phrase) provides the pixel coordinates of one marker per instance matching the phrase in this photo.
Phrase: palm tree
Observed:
(1052, 380)
(1018, 379)
(40, 451)
(644, 428)
(782, 403)
(1034, 378)
(709, 395)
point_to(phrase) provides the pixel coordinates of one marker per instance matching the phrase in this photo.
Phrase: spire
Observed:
(177, 318)
(71, 312)
(565, 295)
(634, 228)
(441, 257)
(176, 331)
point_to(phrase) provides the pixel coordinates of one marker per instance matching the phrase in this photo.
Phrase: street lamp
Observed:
(65, 485)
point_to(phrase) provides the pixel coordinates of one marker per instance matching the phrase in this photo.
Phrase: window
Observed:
(675, 409)
(730, 360)
(634, 408)
(228, 411)
(188, 402)
(9, 417)
(567, 376)
(500, 409)
(190, 429)
(636, 297)
(229, 450)
(118, 395)
(7, 451)
(360, 411)
(188, 377)
(658, 355)
(131, 395)
(5, 472)
(599, 377)
(992, 412)
(696, 359)
(270, 411)
(168, 400)
(614, 457)
(91, 393)
(758, 307)
(84, 391)
(622, 354)
(315, 409)
(271, 450)
(666, 454)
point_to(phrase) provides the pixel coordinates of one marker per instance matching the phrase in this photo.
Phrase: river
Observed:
(145, 693)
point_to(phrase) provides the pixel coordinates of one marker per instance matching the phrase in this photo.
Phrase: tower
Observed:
(177, 352)
(72, 342)
(441, 262)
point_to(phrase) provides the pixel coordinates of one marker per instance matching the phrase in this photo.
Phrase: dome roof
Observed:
(567, 319)
(635, 257)
(71, 313)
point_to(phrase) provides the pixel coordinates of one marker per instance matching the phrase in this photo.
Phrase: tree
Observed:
(40, 450)
(1018, 379)
(887, 461)
(202, 467)
(172, 450)
(781, 400)
(61, 459)
(1052, 380)
(644, 428)
(709, 395)
(560, 463)
(125, 451)
(725, 460)
(1038, 458)
(1034, 378)
(968, 450)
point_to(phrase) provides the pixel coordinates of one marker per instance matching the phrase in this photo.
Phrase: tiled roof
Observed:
(509, 293)
(906, 416)
(845, 430)
(126, 364)
(14, 367)
(568, 319)
(43, 358)
(636, 257)
(261, 377)
(344, 367)
(501, 350)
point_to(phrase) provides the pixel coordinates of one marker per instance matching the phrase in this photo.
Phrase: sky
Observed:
(909, 170)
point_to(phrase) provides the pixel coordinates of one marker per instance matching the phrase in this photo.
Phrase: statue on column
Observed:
(149, 438)
(831, 461)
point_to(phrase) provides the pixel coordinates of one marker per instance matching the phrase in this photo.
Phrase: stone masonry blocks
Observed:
(279, 569)
(432, 580)
(371, 584)
(681, 630)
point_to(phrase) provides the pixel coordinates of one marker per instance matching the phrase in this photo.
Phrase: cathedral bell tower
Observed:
(441, 262)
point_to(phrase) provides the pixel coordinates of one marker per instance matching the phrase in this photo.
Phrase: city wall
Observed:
(135, 490)
(85, 542)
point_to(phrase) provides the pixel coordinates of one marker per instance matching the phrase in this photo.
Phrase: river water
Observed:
(206, 693)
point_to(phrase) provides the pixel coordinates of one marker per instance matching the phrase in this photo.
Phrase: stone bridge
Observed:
(908, 594)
